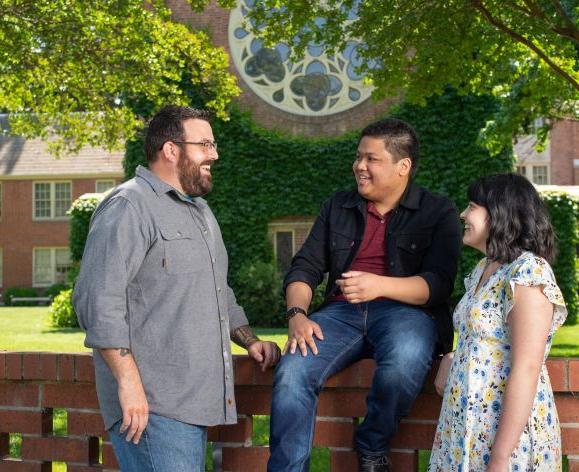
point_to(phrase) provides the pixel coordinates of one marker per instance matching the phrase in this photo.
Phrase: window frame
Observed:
(52, 184)
(53, 250)
(98, 181)
(547, 176)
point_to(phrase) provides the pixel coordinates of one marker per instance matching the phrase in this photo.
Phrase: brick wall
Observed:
(33, 384)
(564, 151)
(19, 233)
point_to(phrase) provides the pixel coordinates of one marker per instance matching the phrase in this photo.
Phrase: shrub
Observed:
(61, 311)
(80, 214)
(259, 293)
(564, 213)
(19, 292)
(54, 290)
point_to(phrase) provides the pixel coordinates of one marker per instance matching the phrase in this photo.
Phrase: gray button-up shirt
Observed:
(153, 279)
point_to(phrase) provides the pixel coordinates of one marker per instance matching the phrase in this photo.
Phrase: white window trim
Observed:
(52, 200)
(98, 181)
(53, 250)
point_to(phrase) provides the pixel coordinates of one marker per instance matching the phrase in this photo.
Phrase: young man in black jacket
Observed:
(390, 249)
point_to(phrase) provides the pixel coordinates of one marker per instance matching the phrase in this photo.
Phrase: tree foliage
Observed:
(525, 52)
(80, 72)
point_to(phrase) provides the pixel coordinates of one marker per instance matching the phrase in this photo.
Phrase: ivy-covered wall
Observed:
(262, 175)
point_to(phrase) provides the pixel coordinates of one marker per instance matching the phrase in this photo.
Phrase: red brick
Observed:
(334, 432)
(109, 458)
(245, 459)
(567, 408)
(56, 449)
(343, 461)
(28, 422)
(233, 433)
(2, 365)
(70, 396)
(39, 366)
(574, 375)
(557, 369)
(18, 394)
(16, 465)
(13, 365)
(85, 424)
(342, 403)
(426, 407)
(573, 464)
(84, 368)
(570, 440)
(404, 461)
(244, 370)
(66, 367)
(253, 401)
(414, 435)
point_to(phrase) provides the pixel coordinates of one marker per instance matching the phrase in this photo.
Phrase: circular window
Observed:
(318, 84)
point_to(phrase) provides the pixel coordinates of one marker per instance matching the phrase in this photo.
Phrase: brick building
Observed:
(319, 95)
(36, 190)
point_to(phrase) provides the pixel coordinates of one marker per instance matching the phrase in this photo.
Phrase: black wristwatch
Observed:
(293, 311)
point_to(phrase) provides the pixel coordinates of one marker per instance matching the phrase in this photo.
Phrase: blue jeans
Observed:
(166, 444)
(401, 338)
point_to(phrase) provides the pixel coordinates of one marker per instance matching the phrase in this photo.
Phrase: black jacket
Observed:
(424, 238)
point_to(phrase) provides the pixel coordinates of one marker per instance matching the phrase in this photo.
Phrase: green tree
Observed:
(525, 52)
(79, 72)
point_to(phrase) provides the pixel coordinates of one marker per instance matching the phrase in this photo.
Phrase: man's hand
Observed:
(442, 374)
(359, 287)
(265, 353)
(301, 333)
(135, 408)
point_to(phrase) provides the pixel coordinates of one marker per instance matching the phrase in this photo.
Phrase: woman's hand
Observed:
(442, 374)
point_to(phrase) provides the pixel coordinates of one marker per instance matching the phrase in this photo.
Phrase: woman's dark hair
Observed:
(519, 220)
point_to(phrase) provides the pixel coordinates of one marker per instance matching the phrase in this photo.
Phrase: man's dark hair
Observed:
(519, 220)
(400, 139)
(167, 125)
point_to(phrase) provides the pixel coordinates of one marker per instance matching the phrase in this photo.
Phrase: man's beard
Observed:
(190, 178)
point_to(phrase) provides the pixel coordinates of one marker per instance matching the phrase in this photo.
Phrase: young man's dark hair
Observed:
(518, 218)
(399, 138)
(167, 125)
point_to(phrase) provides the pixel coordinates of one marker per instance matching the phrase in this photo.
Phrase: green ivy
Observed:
(564, 212)
(262, 174)
(80, 214)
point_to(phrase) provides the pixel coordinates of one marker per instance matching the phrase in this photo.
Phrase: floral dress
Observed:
(471, 406)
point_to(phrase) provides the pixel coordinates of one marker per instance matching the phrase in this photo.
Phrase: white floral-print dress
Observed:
(471, 405)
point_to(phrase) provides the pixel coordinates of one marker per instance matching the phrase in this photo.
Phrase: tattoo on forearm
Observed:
(124, 352)
(244, 336)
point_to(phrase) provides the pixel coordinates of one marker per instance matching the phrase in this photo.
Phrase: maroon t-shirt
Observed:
(372, 256)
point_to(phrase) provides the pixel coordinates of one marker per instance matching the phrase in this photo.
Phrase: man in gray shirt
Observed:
(153, 298)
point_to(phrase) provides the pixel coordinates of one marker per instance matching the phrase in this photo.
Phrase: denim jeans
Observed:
(401, 338)
(166, 445)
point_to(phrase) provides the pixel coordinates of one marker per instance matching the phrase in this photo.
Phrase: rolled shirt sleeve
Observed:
(116, 245)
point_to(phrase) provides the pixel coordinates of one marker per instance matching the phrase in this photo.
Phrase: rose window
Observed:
(318, 84)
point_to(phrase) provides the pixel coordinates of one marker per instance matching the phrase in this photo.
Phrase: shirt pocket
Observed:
(411, 249)
(180, 254)
(340, 242)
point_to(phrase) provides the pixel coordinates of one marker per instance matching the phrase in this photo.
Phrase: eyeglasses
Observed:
(207, 145)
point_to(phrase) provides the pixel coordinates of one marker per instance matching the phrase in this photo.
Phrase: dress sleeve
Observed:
(535, 271)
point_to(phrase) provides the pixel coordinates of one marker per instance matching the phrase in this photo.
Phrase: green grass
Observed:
(27, 329)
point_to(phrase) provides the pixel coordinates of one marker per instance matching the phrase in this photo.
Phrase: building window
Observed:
(521, 170)
(50, 266)
(51, 200)
(104, 185)
(316, 84)
(287, 234)
(540, 175)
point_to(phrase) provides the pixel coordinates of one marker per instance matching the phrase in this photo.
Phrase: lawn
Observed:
(27, 329)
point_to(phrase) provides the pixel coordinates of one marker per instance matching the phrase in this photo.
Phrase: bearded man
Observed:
(153, 298)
